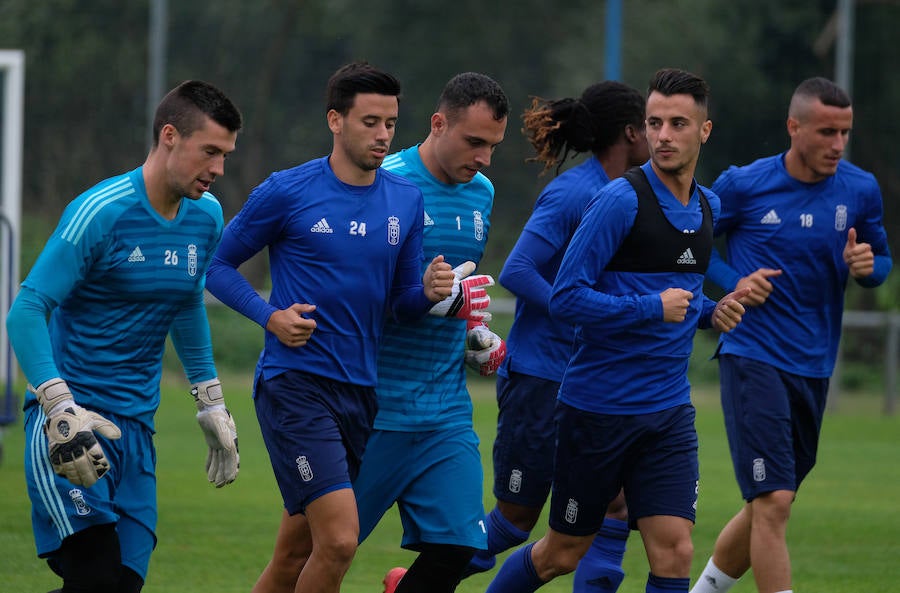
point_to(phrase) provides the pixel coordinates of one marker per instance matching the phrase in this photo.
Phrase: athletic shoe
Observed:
(392, 579)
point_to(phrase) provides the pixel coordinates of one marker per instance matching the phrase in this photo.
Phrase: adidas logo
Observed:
(687, 258)
(321, 227)
(428, 220)
(771, 217)
(136, 256)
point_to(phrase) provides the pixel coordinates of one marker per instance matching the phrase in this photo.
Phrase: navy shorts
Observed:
(773, 419)
(652, 456)
(315, 430)
(526, 439)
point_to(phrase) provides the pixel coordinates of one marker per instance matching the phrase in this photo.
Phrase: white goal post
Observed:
(12, 82)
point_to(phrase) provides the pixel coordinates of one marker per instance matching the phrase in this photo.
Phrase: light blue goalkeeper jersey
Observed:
(117, 277)
(421, 365)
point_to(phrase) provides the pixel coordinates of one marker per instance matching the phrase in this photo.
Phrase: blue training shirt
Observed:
(355, 252)
(117, 277)
(538, 345)
(626, 359)
(771, 220)
(421, 365)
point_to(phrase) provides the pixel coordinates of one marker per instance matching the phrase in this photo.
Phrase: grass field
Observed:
(844, 534)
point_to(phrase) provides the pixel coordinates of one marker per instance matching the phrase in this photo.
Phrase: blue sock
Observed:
(517, 575)
(600, 571)
(501, 536)
(657, 584)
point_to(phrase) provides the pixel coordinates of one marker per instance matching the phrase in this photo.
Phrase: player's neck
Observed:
(426, 153)
(159, 193)
(348, 171)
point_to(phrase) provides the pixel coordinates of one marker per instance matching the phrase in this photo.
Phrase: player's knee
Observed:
(339, 550)
(772, 508)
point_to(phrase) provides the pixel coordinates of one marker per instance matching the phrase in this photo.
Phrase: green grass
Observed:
(844, 534)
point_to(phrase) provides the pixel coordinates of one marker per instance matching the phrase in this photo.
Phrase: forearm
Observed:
(192, 341)
(26, 326)
(228, 285)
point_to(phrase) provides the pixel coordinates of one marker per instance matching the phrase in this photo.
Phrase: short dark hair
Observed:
(356, 78)
(824, 90)
(469, 88)
(672, 81)
(593, 122)
(187, 104)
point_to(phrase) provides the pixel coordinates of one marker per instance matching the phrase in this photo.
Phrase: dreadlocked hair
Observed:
(594, 122)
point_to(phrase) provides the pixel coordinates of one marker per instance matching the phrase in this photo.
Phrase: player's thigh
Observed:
(60, 508)
(136, 499)
(757, 410)
(443, 505)
(315, 447)
(525, 440)
(662, 470)
(808, 398)
(588, 468)
(389, 465)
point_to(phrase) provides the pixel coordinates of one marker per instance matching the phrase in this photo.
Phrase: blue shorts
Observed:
(315, 430)
(126, 495)
(773, 419)
(652, 456)
(526, 439)
(436, 479)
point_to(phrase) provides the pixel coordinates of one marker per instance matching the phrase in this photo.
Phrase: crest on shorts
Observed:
(572, 511)
(306, 473)
(515, 481)
(759, 469)
(81, 506)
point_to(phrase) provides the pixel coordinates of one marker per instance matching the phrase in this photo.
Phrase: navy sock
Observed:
(657, 584)
(501, 536)
(517, 575)
(600, 571)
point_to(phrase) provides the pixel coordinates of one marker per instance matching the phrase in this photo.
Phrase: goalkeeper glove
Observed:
(222, 460)
(468, 299)
(74, 451)
(485, 350)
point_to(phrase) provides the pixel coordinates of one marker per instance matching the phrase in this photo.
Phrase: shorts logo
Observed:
(192, 260)
(306, 473)
(572, 511)
(479, 225)
(759, 469)
(840, 217)
(77, 497)
(515, 481)
(393, 230)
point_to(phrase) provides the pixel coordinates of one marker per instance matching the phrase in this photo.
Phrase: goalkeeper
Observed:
(124, 269)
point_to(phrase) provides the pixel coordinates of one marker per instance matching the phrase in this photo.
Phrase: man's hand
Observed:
(675, 303)
(222, 460)
(759, 284)
(438, 279)
(729, 310)
(485, 350)
(468, 299)
(290, 326)
(858, 256)
(74, 451)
